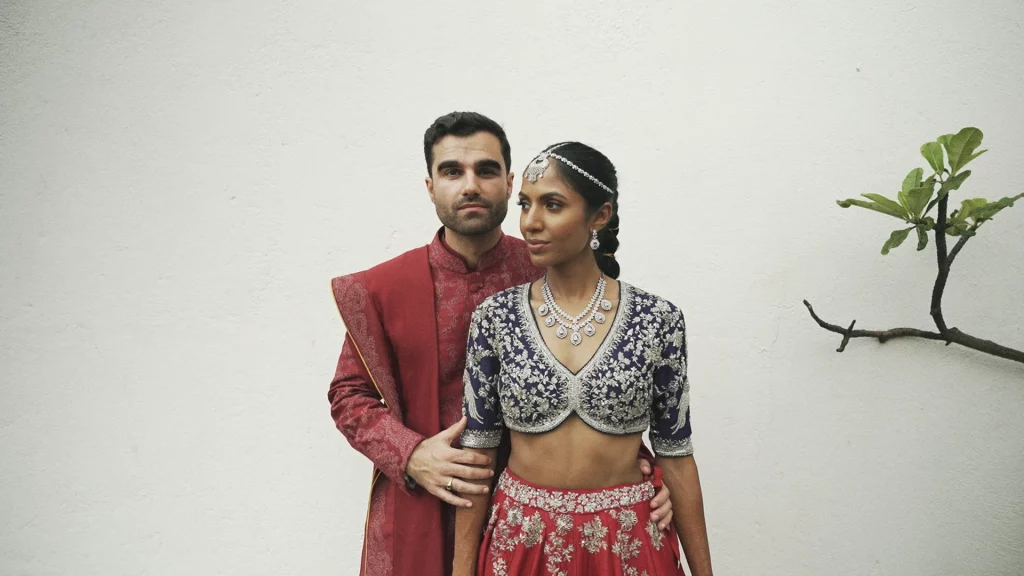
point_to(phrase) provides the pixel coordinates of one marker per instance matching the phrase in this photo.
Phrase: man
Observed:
(397, 392)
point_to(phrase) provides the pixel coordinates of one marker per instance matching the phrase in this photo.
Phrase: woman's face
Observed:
(554, 220)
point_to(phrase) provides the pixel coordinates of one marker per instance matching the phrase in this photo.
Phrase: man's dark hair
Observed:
(464, 124)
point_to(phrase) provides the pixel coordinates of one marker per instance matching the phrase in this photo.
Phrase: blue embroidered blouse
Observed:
(637, 377)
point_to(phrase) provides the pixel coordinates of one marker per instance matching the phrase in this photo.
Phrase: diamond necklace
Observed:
(552, 313)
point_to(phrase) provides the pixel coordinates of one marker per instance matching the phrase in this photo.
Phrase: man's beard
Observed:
(472, 224)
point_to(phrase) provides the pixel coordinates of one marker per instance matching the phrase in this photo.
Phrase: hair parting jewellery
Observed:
(540, 164)
(552, 313)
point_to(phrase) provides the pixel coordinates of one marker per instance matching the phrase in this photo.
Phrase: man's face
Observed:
(469, 183)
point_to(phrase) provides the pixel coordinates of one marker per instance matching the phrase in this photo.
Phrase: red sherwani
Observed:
(399, 381)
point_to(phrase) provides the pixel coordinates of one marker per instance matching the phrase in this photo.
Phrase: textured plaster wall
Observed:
(179, 180)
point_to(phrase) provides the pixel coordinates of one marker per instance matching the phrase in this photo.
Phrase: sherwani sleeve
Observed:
(362, 417)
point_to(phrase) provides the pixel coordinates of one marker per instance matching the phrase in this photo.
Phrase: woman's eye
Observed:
(521, 204)
(554, 205)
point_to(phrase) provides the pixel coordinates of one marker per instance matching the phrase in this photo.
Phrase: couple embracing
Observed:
(501, 387)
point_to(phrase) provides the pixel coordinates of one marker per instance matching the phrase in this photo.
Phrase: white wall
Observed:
(179, 180)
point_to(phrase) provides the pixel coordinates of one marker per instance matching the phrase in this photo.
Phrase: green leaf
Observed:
(888, 207)
(932, 152)
(922, 238)
(913, 179)
(904, 202)
(895, 239)
(944, 139)
(956, 230)
(961, 147)
(967, 208)
(917, 199)
(987, 211)
(887, 203)
(973, 156)
(953, 183)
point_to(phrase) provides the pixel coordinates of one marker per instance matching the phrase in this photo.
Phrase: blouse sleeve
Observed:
(670, 414)
(480, 401)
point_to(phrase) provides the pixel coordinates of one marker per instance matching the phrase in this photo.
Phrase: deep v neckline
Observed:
(526, 309)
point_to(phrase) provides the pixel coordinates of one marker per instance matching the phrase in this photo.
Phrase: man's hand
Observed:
(434, 463)
(661, 503)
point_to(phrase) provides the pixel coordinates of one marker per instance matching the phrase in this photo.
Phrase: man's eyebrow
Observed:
(448, 164)
(488, 163)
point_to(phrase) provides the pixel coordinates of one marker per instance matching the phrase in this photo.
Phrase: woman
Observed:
(577, 366)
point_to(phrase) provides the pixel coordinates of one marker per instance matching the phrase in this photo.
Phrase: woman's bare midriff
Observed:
(575, 456)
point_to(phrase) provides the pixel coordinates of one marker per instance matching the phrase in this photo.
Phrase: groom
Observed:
(397, 391)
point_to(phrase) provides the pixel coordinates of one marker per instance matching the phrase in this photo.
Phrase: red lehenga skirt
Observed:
(606, 532)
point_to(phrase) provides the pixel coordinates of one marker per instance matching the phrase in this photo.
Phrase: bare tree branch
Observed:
(954, 336)
(881, 335)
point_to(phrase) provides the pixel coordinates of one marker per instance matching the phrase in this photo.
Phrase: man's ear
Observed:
(509, 181)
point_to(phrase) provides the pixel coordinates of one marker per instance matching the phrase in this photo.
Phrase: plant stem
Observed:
(943, 261)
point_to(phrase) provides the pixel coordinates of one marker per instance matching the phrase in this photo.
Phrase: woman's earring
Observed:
(594, 244)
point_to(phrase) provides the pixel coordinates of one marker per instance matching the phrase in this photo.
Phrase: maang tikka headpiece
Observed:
(540, 164)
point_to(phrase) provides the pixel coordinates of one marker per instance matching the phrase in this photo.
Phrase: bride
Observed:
(577, 366)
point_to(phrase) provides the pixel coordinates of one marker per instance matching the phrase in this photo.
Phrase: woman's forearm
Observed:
(683, 481)
(469, 524)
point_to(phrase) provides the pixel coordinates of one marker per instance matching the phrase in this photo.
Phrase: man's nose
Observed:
(471, 185)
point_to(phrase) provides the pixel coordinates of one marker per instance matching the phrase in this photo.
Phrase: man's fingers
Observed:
(470, 458)
(645, 467)
(468, 472)
(469, 488)
(455, 430)
(451, 498)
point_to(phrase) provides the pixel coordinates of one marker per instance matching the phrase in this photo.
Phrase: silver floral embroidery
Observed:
(492, 516)
(594, 536)
(566, 502)
(655, 533)
(557, 551)
(627, 518)
(503, 537)
(626, 547)
(635, 380)
(563, 524)
(515, 515)
(533, 530)
(500, 567)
